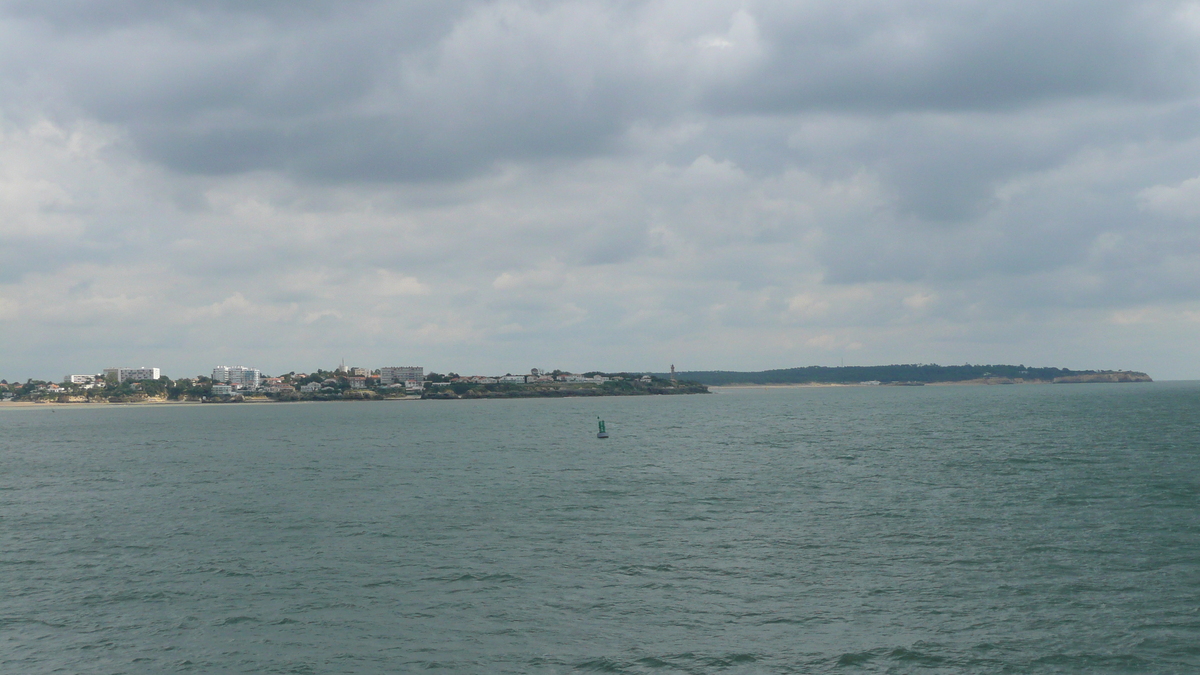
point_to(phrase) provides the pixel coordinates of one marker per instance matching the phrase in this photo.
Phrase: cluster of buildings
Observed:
(229, 380)
(73, 383)
(535, 376)
(114, 376)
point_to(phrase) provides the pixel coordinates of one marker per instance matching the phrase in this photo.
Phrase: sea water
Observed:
(812, 530)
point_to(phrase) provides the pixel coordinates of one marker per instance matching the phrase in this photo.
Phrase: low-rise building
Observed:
(80, 379)
(311, 387)
(513, 379)
(222, 389)
(358, 382)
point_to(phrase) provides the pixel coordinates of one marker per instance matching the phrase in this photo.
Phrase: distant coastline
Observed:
(911, 375)
(323, 386)
(357, 384)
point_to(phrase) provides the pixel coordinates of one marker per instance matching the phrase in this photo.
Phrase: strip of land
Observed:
(335, 387)
(344, 386)
(909, 375)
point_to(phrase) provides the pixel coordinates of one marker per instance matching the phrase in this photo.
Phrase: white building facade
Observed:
(131, 374)
(238, 376)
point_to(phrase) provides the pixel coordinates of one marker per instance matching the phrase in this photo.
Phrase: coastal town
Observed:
(239, 384)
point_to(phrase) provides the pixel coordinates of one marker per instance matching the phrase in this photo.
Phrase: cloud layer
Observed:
(497, 185)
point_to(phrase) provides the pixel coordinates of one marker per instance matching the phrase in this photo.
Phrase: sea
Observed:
(937, 529)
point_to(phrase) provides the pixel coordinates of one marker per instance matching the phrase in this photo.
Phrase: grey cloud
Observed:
(919, 55)
(651, 176)
(357, 93)
(420, 91)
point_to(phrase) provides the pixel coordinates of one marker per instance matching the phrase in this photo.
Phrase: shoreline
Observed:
(954, 383)
(157, 403)
(713, 388)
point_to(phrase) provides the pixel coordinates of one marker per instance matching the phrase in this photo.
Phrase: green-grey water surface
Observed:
(870, 529)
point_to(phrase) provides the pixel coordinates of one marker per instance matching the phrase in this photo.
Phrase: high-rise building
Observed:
(119, 375)
(238, 376)
(403, 375)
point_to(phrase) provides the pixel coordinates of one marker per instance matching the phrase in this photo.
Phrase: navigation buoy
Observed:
(603, 433)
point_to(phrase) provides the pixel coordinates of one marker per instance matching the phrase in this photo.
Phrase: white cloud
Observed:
(1181, 200)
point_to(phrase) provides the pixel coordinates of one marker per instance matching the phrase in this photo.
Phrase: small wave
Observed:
(474, 578)
(786, 621)
(235, 620)
(17, 621)
(1127, 662)
(232, 573)
(857, 658)
(638, 570)
(730, 660)
(914, 656)
(600, 666)
(380, 584)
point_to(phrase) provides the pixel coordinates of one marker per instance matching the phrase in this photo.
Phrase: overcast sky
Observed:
(488, 186)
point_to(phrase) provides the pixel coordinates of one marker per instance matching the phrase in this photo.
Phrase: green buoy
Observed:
(603, 433)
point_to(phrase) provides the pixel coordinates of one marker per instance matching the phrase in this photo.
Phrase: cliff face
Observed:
(1114, 376)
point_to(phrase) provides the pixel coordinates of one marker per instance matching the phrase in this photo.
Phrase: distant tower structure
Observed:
(672, 372)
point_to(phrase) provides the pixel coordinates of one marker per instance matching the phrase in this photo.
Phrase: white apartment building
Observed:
(222, 390)
(240, 377)
(513, 379)
(131, 374)
(80, 379)
(402, 375)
